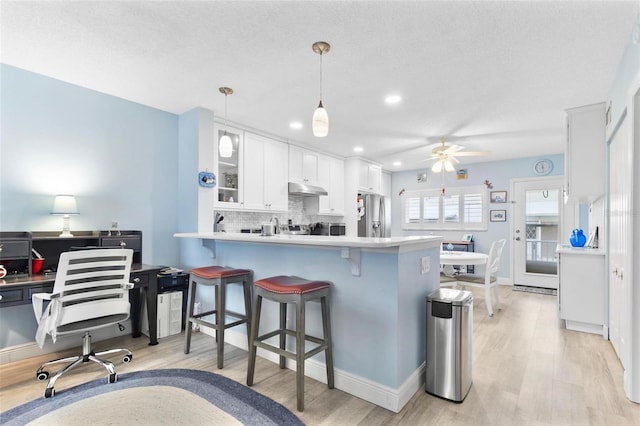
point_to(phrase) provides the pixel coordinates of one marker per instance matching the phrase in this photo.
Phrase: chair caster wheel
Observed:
(127, 358)
(113, 378)
(49, 392)
(42, 375)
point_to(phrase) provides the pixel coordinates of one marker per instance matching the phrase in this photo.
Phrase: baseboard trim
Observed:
(380, 395)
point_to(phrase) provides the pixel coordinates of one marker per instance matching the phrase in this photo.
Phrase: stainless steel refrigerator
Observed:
(376, 220)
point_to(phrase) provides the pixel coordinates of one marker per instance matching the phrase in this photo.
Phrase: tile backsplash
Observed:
(235, 220)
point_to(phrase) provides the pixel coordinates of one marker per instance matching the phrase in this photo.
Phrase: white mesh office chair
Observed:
(91, 291)
(488, 281)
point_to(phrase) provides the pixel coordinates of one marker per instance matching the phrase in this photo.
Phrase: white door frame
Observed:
(513, 182)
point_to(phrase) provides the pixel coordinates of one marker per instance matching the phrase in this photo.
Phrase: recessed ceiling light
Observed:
(295, 125)
(393, 99)
(358, 149)
(397, 163)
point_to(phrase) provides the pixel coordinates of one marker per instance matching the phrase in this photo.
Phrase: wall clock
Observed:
(542, 167)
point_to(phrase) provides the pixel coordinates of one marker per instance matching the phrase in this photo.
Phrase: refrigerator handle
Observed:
(383, 222)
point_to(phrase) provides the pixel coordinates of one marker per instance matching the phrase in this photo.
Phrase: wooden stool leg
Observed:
(191, 297)
(300, 350)
(247, 283)
(255, 326)
(328, 353)
(220, 320)
(283, 334)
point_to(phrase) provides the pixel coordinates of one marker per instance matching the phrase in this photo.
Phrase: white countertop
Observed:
(587, 251)
(318, 240)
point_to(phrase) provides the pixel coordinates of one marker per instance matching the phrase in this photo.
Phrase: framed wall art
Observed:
(498, 215)
(498, 196)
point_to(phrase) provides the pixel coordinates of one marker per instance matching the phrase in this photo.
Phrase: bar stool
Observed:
(219, 277)
(291, 289)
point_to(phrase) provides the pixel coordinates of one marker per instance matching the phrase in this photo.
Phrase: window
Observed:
(458, 208)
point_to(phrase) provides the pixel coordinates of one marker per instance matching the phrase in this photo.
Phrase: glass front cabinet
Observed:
(229, 169)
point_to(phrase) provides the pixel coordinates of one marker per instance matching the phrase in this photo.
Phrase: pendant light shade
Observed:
(320, 122)
(225, 146)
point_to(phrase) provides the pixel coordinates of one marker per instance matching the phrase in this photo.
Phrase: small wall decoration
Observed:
(498, 215)
(498, 196)
(422, 177)
(467, 237)
(461, 174)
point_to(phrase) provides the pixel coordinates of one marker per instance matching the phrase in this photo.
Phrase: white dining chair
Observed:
(489, 280)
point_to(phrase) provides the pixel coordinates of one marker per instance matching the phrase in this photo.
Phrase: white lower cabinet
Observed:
(265, 179)
(581, 293)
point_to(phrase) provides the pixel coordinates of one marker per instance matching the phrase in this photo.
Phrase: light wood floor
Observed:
(527, 369)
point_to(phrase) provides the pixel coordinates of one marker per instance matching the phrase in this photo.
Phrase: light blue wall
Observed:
(117, 157)
(499, 173)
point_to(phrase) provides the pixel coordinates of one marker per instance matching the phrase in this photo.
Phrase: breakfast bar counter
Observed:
(378, 301)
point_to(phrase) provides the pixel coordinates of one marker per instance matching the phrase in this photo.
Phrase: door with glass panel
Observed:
(536, 227)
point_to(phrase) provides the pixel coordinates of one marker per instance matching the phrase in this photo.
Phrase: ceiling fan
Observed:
(446, 156)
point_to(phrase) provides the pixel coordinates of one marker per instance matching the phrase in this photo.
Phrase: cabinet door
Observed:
(585, 152)
(370, 178)
(276, 177)
(303, 166)
(331, 177)
(254, 152)
(229, 170)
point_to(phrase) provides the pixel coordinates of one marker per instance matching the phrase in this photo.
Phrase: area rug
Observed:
(538, 290)
(155, 397)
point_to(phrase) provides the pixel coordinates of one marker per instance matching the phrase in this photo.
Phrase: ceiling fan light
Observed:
(320, 122)
(437, 167)
(225, 146)
(448, 166)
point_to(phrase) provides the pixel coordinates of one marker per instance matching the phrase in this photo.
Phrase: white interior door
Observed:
(620, 243)
(537, 210)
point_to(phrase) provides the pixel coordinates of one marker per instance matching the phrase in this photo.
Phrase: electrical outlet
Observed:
(425, 265)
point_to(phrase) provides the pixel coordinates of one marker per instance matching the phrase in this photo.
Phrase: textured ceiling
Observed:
(488, 75)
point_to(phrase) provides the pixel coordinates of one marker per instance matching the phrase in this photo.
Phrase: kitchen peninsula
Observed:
(378, 302)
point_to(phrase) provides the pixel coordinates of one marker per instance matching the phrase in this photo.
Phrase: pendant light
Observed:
(225, 147)
(320, 122)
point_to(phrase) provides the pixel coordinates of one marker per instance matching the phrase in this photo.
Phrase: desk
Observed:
(18, 291)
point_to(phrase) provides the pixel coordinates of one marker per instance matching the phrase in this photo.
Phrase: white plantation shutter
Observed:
(431, 210)
(473, 208)
(463, 208)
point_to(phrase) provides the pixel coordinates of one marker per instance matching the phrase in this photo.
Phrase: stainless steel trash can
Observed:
(449, 343)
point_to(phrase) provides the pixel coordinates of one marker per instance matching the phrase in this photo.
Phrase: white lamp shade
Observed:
(64, 204)
(225, 146)
(320, 123)
(448, 166)
(437, 167)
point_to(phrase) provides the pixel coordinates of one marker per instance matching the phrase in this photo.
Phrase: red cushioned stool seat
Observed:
(291, 289)
(219, 277)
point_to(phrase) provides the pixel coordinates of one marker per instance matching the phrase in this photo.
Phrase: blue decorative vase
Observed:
(577, 238)
(449, 246)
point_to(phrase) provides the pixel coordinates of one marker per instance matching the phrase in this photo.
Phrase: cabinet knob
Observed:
(517, 238)
(136, 280)
(123, 244)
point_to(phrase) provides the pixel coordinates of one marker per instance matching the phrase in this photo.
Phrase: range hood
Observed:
(303, 189)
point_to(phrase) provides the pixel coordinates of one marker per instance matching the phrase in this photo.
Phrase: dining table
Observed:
(449, 258)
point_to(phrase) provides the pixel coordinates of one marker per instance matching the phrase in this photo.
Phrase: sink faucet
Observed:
(277, 221)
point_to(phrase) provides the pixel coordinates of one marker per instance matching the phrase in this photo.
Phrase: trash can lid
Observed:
(450, 295)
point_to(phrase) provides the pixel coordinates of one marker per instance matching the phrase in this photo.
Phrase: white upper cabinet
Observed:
(229, 170)
(265, 180)
(370, 178)
(303, 165)
(331, 178)
(585, 153)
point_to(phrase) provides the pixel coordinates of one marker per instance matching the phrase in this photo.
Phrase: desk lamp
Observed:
(65, 205)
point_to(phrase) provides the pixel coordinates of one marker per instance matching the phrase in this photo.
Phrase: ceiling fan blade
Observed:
(470, 153)
(451, 149)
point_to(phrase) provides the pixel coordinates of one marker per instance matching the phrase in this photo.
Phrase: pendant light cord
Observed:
(320, 76)
(225, 113)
